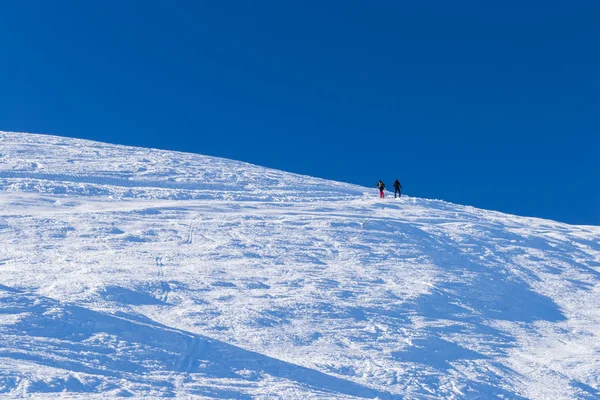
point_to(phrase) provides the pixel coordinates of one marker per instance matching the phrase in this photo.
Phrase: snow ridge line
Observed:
(116, 181)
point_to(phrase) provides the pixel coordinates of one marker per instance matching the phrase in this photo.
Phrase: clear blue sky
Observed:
(491, 104)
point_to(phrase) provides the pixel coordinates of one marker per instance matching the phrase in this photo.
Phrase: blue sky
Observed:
(490, 104)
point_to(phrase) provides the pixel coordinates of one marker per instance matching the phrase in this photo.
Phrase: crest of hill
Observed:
(59, 165)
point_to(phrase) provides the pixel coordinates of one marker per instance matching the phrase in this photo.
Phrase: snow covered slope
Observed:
(137, 272)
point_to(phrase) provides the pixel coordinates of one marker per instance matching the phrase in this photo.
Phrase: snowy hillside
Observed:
(137, 272)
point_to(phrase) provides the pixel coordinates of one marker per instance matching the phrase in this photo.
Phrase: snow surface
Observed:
(137, 272)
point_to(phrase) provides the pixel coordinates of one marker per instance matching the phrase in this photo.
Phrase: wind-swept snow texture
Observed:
(136, 272)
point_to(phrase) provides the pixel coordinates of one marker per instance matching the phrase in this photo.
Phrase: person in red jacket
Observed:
(381, 187)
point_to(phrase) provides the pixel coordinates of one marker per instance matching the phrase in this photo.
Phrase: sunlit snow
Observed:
(137, 272)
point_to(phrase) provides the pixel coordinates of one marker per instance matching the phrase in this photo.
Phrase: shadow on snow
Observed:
(81, 340)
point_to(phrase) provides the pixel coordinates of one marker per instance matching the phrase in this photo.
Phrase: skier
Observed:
(381, 187)
(397, 187)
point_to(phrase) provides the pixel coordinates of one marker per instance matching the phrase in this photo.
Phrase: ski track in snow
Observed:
(138, 272)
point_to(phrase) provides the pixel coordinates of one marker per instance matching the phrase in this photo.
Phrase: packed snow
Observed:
(138, 272)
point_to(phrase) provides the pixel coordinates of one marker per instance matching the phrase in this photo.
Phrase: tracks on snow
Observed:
(187, 360)
(164, 286)
(189, 239)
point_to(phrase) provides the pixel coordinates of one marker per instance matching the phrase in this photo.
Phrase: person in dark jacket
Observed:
(397, 187)
(381, 187)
